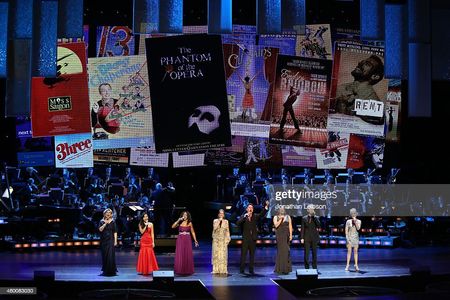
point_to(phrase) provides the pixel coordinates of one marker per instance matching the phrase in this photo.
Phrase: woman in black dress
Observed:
(108, 240)
(283, 229)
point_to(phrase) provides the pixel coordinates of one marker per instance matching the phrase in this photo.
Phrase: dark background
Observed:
(422, 154)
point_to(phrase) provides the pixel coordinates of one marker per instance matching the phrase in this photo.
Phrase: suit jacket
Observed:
(249, 229)
(310, 229)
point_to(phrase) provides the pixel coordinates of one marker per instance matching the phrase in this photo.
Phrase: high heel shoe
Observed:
(356, 268)
(346, 268)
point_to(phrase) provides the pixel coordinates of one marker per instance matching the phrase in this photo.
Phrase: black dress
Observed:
(107, 248)
(283, 264)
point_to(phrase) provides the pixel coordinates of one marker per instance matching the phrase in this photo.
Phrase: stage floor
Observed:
(84, 265)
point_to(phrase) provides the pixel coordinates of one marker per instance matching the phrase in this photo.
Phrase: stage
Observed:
(84, 266)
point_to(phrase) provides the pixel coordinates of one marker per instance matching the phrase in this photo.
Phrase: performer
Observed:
(352, 227)
(249, 235)
(283, 227)
(310, 235)
(108, 240)
(184, 260)
(288, 108)
(101, 109)
(221, 238)
(247, 102)
(147, 261)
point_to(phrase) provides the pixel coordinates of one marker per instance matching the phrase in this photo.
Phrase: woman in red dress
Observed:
(147, 261)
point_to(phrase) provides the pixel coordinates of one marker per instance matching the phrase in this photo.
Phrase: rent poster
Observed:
(120, 102)
(114, 41)
(60, 105)
(298, 156)
(188, 92)
(316, 43)
(147, 156)
(250, 74)
(393, 111)
(74, 151)
(334, 156)
(117, 156)
(300, 102)
(358, 89)
(365, 152)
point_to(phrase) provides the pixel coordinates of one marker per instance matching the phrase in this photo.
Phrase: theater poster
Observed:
(242, 34)
(120, 102)
(119, 156)
(250, 73)
(195, 29)
(316, 43)
(188, 92)
(74, 151)
(228, 156)
(84, 39)
(393, 111)
(300, 102)
(114, 41)
(299, 156)
(334, 156)
(258, 152)
(147, 156)
(358, 89)
(188, 159)
(60, 105)
(32, 152)
(286, 42)
(365, 151)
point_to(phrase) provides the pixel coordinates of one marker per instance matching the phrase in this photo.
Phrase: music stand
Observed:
(116, 189)
(56, 195)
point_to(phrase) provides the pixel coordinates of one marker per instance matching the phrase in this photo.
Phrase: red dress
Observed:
(147, 261)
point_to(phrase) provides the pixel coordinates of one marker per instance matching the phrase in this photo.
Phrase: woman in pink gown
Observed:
(184, 260)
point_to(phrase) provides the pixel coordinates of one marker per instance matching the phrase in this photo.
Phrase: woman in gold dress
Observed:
(221, 238)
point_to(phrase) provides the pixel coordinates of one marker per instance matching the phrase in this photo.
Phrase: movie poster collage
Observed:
(241, 99)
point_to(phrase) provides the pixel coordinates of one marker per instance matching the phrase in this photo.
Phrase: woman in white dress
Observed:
(352, 227)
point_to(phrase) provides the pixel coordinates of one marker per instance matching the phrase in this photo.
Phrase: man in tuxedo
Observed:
(310, 235)
(249, 222)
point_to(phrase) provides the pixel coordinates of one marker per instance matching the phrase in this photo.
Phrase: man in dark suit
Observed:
(310, 235)
(288, 108)
(249, 222)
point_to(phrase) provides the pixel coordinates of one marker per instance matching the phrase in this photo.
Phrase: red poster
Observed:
(60, 105)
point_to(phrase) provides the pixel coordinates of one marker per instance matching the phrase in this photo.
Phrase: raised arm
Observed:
(102, 226)
(177, 223)
(276, 222)
(142, 229)
(241, 219)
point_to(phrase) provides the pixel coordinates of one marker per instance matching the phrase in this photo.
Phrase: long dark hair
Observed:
(189, 218)
(141, 222)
